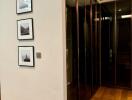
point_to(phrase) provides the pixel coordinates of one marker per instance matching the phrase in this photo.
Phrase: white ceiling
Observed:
(81, 2)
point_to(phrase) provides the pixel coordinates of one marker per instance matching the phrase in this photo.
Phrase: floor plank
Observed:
(105, 93)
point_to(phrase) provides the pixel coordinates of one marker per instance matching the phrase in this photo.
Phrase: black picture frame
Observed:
(25, 29)
(26, 56)
(24, 6)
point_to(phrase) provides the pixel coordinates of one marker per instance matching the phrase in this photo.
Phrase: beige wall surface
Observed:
(46, 81)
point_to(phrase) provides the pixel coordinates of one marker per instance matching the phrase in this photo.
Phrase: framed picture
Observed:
(26, 56)
(25, 29)
(23, 6)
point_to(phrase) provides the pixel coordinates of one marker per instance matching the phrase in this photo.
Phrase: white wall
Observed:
(47, 81)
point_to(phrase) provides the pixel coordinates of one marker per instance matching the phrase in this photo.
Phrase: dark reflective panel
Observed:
(95, 48)
(107, 44)
(82, 83)
(72, 71)
(124, 43)
(85, 67)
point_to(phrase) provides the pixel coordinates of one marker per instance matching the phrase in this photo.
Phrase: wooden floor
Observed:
(112, 94)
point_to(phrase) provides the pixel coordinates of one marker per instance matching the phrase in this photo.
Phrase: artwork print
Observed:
(26, 56)
(24, 6)
(25, 29)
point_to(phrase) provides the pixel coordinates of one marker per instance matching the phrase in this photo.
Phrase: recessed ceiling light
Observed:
(126, 16)
(104, 1)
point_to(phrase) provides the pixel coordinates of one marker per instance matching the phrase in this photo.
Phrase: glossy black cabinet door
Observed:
(78, 89)
(85, 69)
(84, 82)
(116, 43)
(123, 71)
(72, 62)
(95, 48)
(89, 72)
(107, 44)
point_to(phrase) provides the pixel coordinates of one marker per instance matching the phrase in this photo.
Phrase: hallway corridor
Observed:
(99, 49)
(105, 93)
